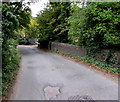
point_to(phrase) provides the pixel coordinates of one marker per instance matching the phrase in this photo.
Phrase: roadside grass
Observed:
(93, 61)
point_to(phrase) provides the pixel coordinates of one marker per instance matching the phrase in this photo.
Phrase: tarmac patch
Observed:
(51, 92)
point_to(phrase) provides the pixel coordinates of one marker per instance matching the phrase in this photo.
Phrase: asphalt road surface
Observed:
(49, 76)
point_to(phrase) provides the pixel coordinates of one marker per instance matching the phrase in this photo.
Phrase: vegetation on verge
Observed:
(94, 26)
(93, 61)
(14, 17)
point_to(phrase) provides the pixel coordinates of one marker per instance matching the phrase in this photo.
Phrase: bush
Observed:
(96, 25)
(15, 16)
(10, 54)
(10, 58)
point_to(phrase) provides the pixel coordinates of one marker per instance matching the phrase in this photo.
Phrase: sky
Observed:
(40, 5)
(36, 7)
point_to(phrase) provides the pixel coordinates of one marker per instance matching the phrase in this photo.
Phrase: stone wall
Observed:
(109, 56)
(68, 48)
(104, 55)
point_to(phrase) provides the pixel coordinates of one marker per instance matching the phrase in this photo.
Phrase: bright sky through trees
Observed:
(38, 6)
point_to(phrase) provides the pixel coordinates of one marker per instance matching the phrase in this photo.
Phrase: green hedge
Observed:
(15, 16)
(10, 59)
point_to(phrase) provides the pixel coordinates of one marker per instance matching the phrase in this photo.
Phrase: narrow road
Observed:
(49, 76)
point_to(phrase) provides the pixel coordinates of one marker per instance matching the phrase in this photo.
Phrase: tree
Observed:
(74, 24)
(44, 26)
(97, 25)
(32, 30)
(12, 14)
(52, 22)
(60, 20)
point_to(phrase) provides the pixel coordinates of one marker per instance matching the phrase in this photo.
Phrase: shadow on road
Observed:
(28, 50)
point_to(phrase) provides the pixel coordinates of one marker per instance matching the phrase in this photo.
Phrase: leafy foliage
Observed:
(22, 12)
(60, 21)
(97, 25)
(32, 30)
(74, 21)
(94, 62)
(52, 22)
(11, 60)
(12, 13)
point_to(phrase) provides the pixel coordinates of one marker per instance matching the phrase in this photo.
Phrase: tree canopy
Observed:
(52, 22)
(96, 25)
(15, 16)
